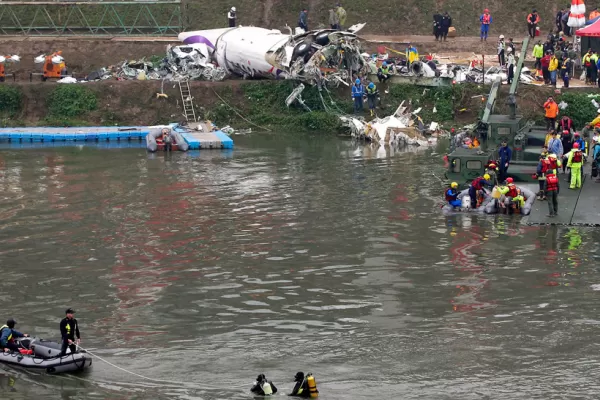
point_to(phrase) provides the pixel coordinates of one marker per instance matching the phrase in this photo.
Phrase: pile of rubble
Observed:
(186, 62)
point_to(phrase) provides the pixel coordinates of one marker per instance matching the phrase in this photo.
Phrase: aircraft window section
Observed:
(456, 165)
(474, 164)
(503, 131)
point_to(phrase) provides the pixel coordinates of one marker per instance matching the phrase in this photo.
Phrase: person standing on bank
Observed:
(231, 16)
(69, 329)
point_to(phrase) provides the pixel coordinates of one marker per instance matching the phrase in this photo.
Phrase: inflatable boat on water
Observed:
(43, 355)
(154, 141)
(489, 205)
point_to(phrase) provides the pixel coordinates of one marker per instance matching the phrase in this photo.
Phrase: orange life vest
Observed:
(512, 190)
(486, 19)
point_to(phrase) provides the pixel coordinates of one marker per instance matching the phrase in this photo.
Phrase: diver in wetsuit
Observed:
(301, 387)
(263, 387)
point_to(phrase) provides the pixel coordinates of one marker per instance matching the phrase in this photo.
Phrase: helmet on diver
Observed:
(575, 145)
(299, 377)
(261, 378)
(509, 180)
(11, 323)
(371, 85)
(454, 185)
(487, 177)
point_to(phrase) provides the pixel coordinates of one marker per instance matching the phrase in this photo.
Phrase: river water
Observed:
(289, 253)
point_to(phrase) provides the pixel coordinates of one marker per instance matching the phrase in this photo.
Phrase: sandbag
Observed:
(451, 32)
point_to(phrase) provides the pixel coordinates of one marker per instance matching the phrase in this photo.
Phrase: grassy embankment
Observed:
(262, 103)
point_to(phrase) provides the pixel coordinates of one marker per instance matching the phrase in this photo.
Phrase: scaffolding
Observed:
(96, 18)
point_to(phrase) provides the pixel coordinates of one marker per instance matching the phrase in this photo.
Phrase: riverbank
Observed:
(259, 105)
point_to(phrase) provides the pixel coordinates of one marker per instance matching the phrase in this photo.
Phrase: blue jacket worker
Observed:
(358, 91)
(8, 334)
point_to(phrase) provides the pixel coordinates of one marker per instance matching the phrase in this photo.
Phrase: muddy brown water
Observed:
(289, 253)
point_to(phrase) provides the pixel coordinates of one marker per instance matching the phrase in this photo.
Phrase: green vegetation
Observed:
(580, 108)
(10, 104)
(67, 101)
(264, 105)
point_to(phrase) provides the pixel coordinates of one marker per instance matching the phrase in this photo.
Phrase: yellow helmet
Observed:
(454, 185)
(487, 177)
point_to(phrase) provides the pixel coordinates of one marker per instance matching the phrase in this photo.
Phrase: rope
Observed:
(238, 114)
(157, 380)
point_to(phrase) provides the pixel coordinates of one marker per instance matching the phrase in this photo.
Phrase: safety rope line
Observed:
(238, 114)
(157, 380)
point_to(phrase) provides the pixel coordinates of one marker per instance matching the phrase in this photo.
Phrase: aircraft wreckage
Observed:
(314, 57)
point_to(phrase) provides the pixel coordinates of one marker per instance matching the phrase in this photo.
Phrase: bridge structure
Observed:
(91, 18)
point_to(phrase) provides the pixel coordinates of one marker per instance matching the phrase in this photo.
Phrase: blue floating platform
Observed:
(205, 138)
(77, 134)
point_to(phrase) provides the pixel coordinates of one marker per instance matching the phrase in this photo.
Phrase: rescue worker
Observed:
(518, 202)
(596, 121)
(505, 155)
(383, 72)
(358, 91)
(597, 69)
(545, 61)
(412, 54)
(232, 16)
(541, 176)
(167, 140)
(538, 53)
(552, 163)
(586, 61)
(510, 192)
(511, 65)
(492, 170)
(551, 190)
(565, 19)
(69, 329)
(8, 334)
(500, 50)
(263, 387)
(558, 19)
(533, 20)
(341, 13)
(437, 25)
(372, 95)
(555, 146)
(551, 113)
(565, 70)
(452, 195)
(486, 20)
(303, 20)
(575, 162)
(477, 186)
(445, 25)
(553, 69)
(593, 68)
(334, 21)
(580, 142)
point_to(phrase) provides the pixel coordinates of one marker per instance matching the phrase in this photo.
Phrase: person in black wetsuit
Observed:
(69, 329)
(263, 387)
(301, 386)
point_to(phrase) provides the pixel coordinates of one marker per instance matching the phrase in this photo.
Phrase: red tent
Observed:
(592, 30)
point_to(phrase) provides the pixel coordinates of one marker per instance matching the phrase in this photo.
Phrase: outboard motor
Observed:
(45, 348)
(417, 68)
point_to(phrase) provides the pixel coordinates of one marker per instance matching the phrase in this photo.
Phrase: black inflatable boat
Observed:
(40, 354)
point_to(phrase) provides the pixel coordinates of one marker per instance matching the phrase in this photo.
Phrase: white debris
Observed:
(394, 130)
(562, 105)
(67, 79)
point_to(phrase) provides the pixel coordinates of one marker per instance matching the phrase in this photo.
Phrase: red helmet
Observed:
(565, 132)
(509, 180)
(575, 145)
(576, 134)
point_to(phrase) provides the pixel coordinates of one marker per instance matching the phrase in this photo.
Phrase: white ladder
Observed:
(187, 101)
